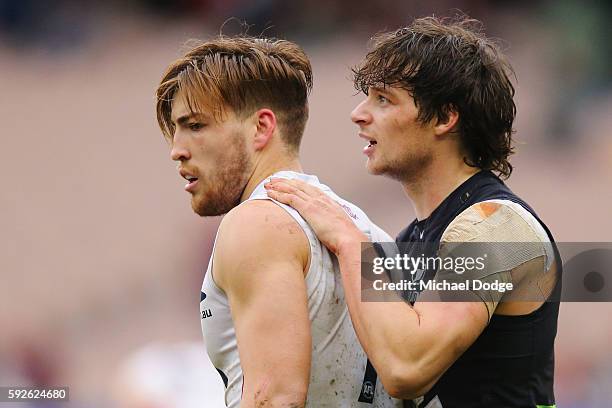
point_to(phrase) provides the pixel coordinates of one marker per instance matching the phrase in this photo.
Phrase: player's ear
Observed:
(447, 123)
(265, 121)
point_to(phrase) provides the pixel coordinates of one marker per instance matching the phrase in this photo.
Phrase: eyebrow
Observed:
(380, 89)
(186, 118)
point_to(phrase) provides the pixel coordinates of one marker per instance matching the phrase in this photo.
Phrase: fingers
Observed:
(305, 198)
(283, 186)
(295, 186)
(290, 198)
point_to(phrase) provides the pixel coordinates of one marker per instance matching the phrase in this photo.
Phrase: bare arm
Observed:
(410, 347)
(416, 345)
(260, 258)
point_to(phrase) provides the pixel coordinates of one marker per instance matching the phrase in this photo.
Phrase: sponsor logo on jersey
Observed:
(205, 313)
(348, 210)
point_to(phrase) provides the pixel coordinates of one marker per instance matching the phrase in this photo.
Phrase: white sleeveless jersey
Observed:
(338, 361)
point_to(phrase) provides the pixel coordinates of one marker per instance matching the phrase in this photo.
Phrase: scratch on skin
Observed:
(260, 400)
(263, 401)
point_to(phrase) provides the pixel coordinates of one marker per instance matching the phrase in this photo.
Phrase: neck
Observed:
(264, 170)
(435, 183)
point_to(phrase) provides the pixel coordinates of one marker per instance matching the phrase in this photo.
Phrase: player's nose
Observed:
(180, 151)
(360, 114)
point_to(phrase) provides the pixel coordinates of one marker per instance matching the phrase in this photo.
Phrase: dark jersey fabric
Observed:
(511, 364)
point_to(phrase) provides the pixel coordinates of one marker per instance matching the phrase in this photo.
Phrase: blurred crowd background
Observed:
(101, 257)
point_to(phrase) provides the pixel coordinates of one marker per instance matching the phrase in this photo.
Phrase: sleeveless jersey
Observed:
(511, 363)
(338, 363)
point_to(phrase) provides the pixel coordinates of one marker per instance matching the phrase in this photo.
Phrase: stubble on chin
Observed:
(227, 186)
(220, 204)
(408, 169)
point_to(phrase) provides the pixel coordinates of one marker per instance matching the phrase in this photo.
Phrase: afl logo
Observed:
(368, 390)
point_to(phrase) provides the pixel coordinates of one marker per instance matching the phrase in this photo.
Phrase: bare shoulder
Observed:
(255, 234)
(261, 222)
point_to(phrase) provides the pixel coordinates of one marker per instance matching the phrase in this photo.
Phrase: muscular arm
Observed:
(411, 347)
(260, 260)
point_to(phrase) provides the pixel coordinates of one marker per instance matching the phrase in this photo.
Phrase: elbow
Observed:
(285, 396)
(290, 399)
(405, 382)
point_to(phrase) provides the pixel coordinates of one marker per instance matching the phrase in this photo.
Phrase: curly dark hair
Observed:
(448, 64)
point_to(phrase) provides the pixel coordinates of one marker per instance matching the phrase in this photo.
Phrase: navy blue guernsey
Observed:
(511, 364)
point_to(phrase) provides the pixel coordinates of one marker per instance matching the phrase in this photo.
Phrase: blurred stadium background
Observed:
(101, 258)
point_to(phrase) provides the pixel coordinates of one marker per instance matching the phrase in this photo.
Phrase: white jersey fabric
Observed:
(338, 361)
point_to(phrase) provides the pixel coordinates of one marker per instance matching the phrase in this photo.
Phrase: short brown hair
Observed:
(449, 64)
(245, 74)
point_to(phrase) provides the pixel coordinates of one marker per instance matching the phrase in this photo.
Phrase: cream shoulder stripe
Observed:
(502, 221)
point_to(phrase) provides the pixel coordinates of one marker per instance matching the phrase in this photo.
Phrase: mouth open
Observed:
(369, 149)
(192, 181)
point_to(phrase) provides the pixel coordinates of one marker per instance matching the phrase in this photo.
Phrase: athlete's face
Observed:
(398, 145)
(212, 155)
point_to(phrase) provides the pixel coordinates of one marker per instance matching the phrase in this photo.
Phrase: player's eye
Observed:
(382, 99)
(195, 126)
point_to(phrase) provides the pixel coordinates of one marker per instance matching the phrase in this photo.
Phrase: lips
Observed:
(190, 187)
(192, 180)
(370, 147)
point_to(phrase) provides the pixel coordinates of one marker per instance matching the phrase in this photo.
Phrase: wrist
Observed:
(351, 244)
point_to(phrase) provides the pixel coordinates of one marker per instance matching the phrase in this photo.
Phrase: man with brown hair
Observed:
(273, 312)
(438, 118)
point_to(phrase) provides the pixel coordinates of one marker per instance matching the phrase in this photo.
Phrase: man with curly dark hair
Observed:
(438, 118)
